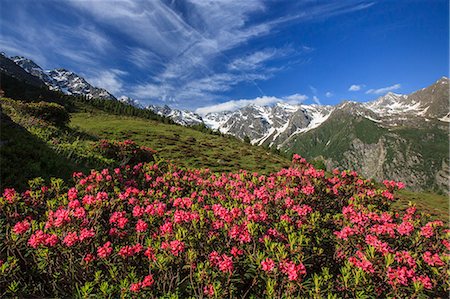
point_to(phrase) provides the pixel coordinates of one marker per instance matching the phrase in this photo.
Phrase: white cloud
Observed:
(109, 80)
(383, 89)
(356, 87)
(295, 98)
(316, 100)
(260, 101)
(329, 94)
(256, 59)
(142, 58)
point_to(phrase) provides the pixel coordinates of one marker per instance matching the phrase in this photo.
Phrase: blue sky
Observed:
(215, 55)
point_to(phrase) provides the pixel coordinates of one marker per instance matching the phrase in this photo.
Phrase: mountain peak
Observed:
(442, 80)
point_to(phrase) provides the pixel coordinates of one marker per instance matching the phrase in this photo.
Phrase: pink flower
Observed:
(226, 264)
(399, 275)
(432, 259)
(150, 254)
(214, 258)
(148, 281)
(268, 265)
(141, 226)
(302, 210)
(292, 270)
(379, 245)
(21, 227)
(105, 250)
(72, 194)
(307, 190)
(88, 200)
(344, 233)
(208, 290)
(405, 257)
(51, 240)
(236, 252)
(362, 262)
(86, 233)
(36, 239)
(9, 194)
(121, 222)
(135, 287)
(425, 281)
(79, 212)
(89, 258)
(74, 204)
(405, 228)
(427, 231)
(62, 217)
(138, 211)
(166, 228)
(176, 247)
(70, 239)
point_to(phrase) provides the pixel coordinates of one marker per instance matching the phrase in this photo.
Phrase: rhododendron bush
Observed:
(154, 230)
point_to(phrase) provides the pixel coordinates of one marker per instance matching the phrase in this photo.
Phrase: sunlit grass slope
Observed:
(185, 146)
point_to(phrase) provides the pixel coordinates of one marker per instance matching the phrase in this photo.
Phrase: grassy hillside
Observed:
(435, 205)
(33, 146)
(186, 146)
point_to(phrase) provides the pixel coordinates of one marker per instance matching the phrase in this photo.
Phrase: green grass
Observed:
(24, 156)
(435, 205)
(334, 137)
(185, 146)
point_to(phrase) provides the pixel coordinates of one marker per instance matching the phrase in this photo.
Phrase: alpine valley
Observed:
(395, 137)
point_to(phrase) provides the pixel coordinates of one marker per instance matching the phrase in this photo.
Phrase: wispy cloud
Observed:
(356, 87)
(383, 89)
(108, 79)
(316, 100)
(260, 101)
(257, 59)
(186, 52)
(295, 98)
(329, 94)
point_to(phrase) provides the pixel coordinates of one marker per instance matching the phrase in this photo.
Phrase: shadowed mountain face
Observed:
(8, 67)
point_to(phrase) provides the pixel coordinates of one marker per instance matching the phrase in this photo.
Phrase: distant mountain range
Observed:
(400, 137)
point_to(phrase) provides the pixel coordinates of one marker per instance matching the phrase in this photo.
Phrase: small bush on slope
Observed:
(157, 230)
(126, 152)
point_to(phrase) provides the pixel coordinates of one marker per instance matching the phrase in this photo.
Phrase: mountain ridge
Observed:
(62, 80)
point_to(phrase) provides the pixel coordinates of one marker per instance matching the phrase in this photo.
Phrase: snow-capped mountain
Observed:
(62, 80)
(182, 117)
(280, 123)
(130, 101)
(268, 124)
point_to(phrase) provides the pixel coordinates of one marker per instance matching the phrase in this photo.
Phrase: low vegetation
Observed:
(155, 230)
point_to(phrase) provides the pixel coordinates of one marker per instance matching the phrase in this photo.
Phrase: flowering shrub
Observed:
(126, 152)
(157, 230)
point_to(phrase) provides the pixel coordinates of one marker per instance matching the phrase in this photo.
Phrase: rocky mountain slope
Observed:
(62, 80)
(182, 117)
(8, 67)
(399, 137)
